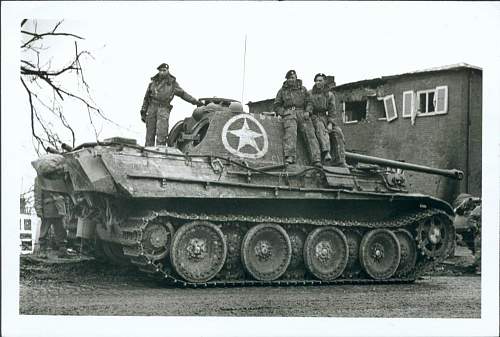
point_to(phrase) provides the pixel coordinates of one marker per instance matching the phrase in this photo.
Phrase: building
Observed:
(431, 117)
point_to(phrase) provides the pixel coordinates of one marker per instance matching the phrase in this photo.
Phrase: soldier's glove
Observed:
(329, 126)
(199, 103)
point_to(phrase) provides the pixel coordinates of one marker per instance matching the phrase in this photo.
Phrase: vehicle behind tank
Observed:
(218, 206)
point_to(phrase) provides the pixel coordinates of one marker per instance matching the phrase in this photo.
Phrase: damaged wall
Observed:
(438, 140)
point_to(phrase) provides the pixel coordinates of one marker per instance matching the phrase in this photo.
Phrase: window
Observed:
(426, 101)
(354, 111)
(375, 108)
(432, 102)
(390, 108)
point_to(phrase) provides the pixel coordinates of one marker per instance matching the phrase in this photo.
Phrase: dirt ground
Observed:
(96, 288)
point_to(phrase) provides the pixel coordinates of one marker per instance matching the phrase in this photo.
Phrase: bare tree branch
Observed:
(47, 86)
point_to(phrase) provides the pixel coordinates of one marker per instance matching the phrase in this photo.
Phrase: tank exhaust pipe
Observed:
(453, 173)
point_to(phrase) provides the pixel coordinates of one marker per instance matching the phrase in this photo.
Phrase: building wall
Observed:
(475, 133)
(438, 141)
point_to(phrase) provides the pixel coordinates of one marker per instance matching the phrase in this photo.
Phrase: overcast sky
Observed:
(204, 45)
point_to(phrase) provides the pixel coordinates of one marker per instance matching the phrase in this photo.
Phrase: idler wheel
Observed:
(157, 238)
(380, 253)
(435, 236)
(408, 252)
(326, 253)
(266, 252)
(198, 251)
(114, 252)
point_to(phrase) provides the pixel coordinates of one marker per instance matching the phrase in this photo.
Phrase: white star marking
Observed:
(247, 136)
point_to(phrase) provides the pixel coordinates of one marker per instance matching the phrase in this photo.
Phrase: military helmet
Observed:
(318, 75)
(162, 66)
(289, 73)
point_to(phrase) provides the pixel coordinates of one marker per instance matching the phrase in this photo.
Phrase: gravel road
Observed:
(91, 288)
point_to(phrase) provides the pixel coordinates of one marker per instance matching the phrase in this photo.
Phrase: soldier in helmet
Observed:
(322, 109)
(156, 107)
(290, 103)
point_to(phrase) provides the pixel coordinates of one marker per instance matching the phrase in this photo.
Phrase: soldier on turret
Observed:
(156, 107)
(290, 103)
(322, 109)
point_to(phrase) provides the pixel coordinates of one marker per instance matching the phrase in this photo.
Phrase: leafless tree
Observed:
(49, 82)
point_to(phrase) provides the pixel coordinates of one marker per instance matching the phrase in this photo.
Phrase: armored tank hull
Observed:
(218, 207)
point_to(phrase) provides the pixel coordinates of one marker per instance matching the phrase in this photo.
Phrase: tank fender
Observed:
(439, 204)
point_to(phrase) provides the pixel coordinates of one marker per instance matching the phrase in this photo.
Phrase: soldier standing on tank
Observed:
(51, 208)
(156, 107)
(322, 109)
(290, 104)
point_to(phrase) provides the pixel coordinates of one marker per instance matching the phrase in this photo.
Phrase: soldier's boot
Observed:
(62, 252)
(42, 252)
(289, 160)
(326, 156)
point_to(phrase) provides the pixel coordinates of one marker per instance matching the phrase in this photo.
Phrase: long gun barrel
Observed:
(455, 174)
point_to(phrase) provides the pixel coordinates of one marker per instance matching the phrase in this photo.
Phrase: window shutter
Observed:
(408, 104)
(442, 99)
(390, 108)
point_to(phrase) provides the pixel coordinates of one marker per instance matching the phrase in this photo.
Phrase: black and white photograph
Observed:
(250, 168)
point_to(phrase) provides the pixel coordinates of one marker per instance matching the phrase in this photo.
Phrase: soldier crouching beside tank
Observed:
(50, 206)
(290, 103)
(156, 107)
(322, 109)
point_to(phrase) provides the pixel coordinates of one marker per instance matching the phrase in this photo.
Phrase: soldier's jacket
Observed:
(162, 91)
(48, 204)
(291, 96)
(321, 102)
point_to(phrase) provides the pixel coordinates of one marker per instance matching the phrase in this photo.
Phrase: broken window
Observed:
(432, 102)
(354, 111)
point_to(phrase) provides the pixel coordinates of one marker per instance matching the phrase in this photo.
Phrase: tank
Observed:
(218, 207)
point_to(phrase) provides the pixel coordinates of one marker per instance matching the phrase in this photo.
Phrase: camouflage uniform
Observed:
(156, 107)
(290, 103)
(321, 106)
(51, 208)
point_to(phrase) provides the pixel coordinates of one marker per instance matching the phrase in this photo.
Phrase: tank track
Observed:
(132, 232)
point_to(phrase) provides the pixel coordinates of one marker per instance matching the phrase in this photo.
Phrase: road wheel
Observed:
(326, 253)
(198, 251)
(266, 252)
(408, 252)
(156, 239)
(380, 253)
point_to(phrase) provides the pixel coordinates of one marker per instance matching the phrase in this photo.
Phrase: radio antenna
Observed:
(244, 68)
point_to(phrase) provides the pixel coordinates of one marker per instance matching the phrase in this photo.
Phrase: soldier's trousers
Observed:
(157, 124)
(338, 144)
(59, 232)
(293, 119)
(320, 128)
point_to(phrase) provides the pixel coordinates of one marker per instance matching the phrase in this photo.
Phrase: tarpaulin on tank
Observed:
(48, 164)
